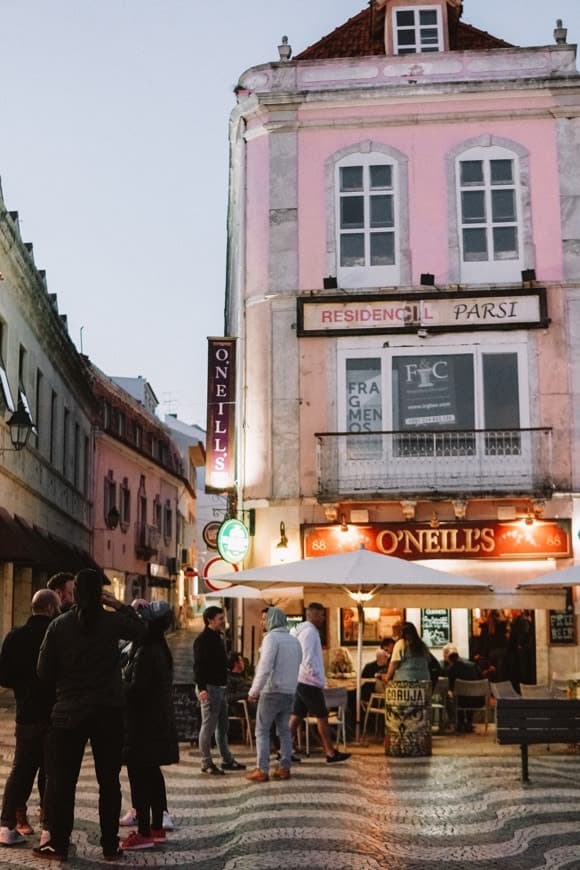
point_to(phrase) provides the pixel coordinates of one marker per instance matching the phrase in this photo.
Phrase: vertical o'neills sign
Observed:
(221, 415)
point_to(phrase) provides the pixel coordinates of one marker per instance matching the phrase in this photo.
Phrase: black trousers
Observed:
(134, 798)
(104, 728)
(28, 761)
(149, 796)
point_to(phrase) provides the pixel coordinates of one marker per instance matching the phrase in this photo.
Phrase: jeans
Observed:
(214, 719)
(28, 759)
(274, 707)
(104, 728)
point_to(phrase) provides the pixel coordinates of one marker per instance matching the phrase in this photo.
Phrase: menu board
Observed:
(562, 627)
(435, 627)
(187, 713)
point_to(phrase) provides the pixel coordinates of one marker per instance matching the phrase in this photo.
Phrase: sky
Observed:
(113, 149)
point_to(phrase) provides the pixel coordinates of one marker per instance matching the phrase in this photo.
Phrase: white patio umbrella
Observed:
(561, 579)
(360, 573)
(266, 594)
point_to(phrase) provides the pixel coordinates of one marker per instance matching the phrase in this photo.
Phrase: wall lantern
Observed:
(20, 426)
(283, 542)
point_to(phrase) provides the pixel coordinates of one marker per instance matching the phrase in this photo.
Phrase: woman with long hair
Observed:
(151, 733)
(410, 657)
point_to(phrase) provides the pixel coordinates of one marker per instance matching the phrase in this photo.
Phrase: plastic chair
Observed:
(244, 719)
(439, 702)
(530, 690)
(471, 689)
(375, 707)
(503, 689)
(336, 701)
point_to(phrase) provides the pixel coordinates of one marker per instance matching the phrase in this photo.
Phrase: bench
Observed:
(525, 721)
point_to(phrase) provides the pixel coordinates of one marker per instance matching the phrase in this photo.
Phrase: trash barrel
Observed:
(408, 718)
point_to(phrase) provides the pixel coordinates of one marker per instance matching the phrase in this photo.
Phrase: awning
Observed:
(26, 544)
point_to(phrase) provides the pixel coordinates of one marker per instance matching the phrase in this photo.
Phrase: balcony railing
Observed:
(429, 462)
(147, 541)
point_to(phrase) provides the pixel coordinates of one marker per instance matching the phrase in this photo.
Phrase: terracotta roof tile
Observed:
(358, 38)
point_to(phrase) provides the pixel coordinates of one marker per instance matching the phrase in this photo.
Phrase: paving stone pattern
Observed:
(462, 810)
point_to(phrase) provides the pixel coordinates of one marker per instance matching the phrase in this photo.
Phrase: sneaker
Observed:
(233, 765)
(50, 852)
(294, 758)
(11, 837)
(44, 837)
(135, 840)
(337, 756)
(158, 835)
(113, 856)
(257, 775)
(167, 821)
(281, 773)
(212, 770)
(129, 819)
(23, 826)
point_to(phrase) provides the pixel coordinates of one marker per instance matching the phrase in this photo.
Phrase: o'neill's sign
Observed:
(221, 415)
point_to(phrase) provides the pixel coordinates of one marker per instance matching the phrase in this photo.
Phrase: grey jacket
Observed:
(280, 658)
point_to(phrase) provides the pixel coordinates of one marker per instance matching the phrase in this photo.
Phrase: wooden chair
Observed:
(471, 689)
(503, 689)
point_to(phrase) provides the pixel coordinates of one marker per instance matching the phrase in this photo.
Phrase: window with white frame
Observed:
(367, 231)
(489, 214)
(448, 388)
(417, 30)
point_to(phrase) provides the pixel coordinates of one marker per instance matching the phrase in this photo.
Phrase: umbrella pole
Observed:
(359, 639)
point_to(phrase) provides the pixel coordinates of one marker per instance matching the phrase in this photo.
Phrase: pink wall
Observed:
(257, 226)
(426, 147)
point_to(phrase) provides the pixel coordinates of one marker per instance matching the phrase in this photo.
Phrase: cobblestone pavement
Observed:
(462, 809)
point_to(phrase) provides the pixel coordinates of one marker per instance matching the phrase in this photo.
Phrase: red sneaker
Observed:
(158, 835)
(136, 841)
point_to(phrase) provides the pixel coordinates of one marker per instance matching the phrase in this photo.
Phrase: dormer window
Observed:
(417, 29)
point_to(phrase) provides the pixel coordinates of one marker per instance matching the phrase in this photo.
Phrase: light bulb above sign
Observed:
(233, 541)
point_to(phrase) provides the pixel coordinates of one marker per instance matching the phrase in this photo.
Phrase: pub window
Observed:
(367, 220)
(417, 30)
(489, 211)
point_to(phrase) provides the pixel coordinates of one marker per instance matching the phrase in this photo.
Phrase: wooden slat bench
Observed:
(525, 722)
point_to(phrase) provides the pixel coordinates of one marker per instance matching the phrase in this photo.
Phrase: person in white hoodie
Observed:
(274, 686)
(309, 699)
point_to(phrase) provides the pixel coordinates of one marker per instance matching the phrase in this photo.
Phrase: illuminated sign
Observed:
(233, 541)
(221, 415)
(516, 539)
(434, 312)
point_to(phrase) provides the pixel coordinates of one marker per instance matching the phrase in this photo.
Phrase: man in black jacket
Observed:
(33, 705)
(80, 656)
(210, 666)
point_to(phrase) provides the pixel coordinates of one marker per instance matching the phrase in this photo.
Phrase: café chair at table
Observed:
(469, 690)
(539, 692)
(503, 689)
(375, 706)
(242, 715)
(560, 683)
(439, 704)
(336, 704)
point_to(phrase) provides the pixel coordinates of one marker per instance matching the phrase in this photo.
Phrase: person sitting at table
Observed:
(375, 670)
(463, 669)
(409, 660)
(341, 666)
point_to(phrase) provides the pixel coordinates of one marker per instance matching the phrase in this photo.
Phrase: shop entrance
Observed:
(503, 644)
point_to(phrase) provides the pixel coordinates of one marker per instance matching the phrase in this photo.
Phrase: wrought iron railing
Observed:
(428, 462)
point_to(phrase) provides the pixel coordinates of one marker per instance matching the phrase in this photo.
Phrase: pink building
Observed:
(404, 250)
(144, 503)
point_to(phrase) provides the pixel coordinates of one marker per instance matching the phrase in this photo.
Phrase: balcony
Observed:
(147, 542)
(434, 462)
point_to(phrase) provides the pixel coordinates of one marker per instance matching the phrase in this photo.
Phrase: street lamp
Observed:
(20, 426)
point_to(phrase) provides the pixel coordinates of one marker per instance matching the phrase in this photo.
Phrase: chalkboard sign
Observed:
(562, 627)
(436, 627)
(187, 712)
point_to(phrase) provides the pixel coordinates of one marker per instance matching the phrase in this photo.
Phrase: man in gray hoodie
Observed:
(274, 686)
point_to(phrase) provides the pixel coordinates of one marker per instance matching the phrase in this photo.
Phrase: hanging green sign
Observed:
(233, 541)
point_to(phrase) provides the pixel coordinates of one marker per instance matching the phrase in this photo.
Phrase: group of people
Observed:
(65, 667)
(287, 686)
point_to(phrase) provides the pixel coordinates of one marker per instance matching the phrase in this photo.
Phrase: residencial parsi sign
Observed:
(437, 312)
